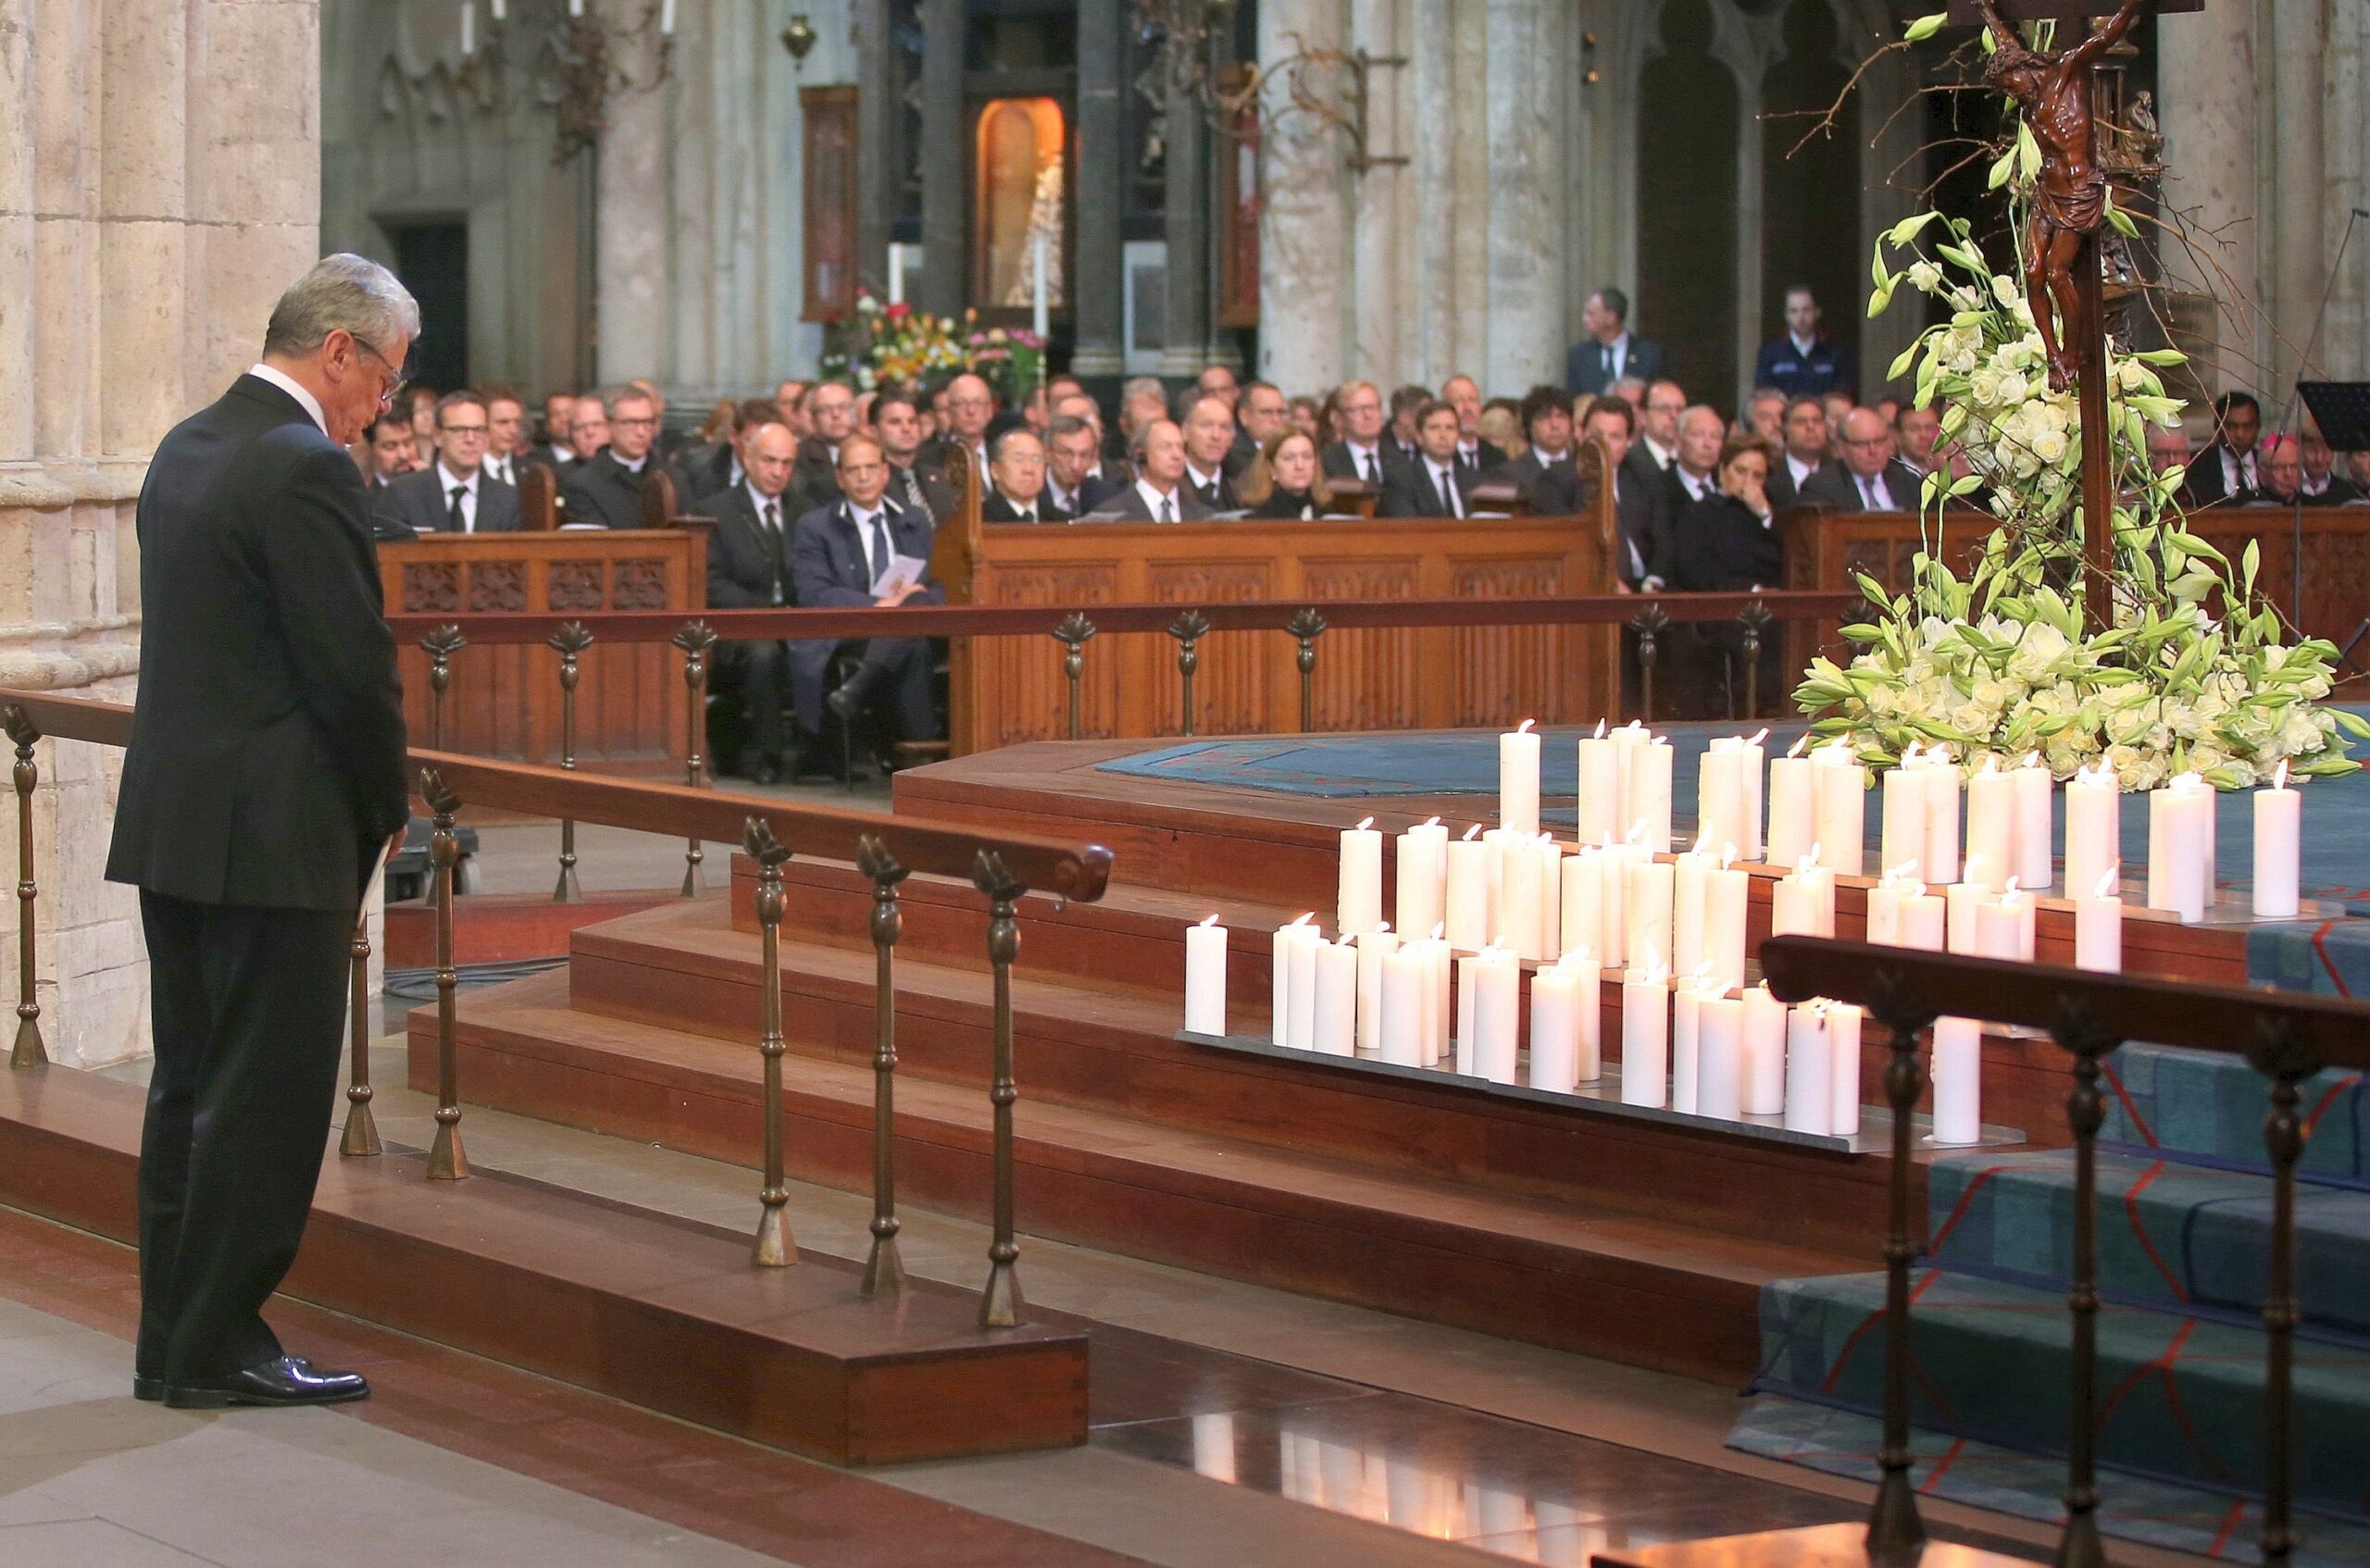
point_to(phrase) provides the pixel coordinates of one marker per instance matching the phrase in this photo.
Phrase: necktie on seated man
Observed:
(880, 545)
(773, 546)
(459, 520)
(1167, 509)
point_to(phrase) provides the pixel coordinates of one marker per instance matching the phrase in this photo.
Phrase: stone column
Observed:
(143, 271)
(1302, 303)
(1188, 229)
(1526, 328)
(1422, 193)
(632, 237)
(1096, 284)
(945, 280)
(876, 112)
(1377, 231)
(2206, 69)
(2296, 242)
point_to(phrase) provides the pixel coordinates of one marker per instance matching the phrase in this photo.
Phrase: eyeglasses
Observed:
(386, 398)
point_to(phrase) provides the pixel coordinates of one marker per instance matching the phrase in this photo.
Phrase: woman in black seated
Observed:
(1286, 481)
(1727, 543)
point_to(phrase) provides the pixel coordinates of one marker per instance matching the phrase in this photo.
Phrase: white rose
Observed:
(2050, 447)
(2003, 289)
(1985, 388)
(1925, 276)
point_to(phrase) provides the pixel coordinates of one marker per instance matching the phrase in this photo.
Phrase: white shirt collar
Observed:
(1800, 469)
(759, 500)
(864, 520)
(287, 383)
(1547, 458)
(1154, 500)
(1037, 505)
(635, 468)
(446, 479)
(1662, 457)
(1368, 450)
(1802, 345)
(1197, 478)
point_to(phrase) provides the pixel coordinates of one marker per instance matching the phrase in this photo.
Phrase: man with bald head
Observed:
(831, 417)
(1870, 478)
(748, 568)
(1160, 493)
(1464, 394)
(970, 404)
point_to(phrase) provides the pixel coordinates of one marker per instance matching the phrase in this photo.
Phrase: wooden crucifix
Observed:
(2057, 93)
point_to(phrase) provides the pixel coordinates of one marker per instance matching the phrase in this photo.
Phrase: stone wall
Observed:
(159, 182)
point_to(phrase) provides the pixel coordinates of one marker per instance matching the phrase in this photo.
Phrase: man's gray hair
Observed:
(344, 293)
(624, 391)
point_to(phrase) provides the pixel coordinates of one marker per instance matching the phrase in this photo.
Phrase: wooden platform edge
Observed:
(1818, 1546)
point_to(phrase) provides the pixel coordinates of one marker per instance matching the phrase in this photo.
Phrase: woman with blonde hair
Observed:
(1286, 481)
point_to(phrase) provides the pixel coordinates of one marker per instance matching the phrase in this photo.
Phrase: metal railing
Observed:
(885, 849)
(2285, 1038)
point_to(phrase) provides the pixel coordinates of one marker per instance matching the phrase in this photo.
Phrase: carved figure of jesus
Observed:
(2070, 194)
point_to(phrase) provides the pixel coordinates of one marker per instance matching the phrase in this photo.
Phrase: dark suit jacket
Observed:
(747, 569)
(831, 564)
(1129, 505)
(1549, 490)
(1408, 491)
(601, 489)
(1826, 367)
(1487, 457)
(266, 756)
(1639, 517)
(1224, 501)
(1584, 367)
(1783, 493)
(996, 509)
(420, 500)
(1717, 546)
(700, 475)
(1339, 462)
(1836, 486)
(2206, 485)
(1098, 490)
(936, 491)
(814, 480)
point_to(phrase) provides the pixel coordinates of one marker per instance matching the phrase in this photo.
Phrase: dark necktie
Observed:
(773, 545)
(460, 523)
(880, 547)
(1210, 493)
(1607, 352)
(1029, 513)
(1367, 461)
(1167, 509)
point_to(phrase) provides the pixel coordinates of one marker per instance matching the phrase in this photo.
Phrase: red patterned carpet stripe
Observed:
(2320, 950)
(2337, 1092)
(2140, 1229)
(2229, 1527)
(1942, 1466)
(2163, 1366)
(1958, 1210)
(2114, 1081)
(1860, 1332)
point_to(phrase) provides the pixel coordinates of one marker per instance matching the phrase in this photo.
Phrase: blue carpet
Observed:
(2336, 811)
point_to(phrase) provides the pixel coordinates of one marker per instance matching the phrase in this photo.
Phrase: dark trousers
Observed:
(758, 674)
(892, 673)
(248, 1007)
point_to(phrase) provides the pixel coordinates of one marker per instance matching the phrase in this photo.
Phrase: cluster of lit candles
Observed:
(1443, 984)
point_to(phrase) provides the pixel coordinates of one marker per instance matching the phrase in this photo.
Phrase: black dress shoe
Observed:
(768, 771)
(148, 1388)
(845, 701)
(290, 1380)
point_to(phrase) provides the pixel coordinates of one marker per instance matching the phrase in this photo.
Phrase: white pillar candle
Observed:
(1599, 801)
(2279, 828)
(1551, 901)
(1804, 903)
(2179, 824)
(1958, 1082)
(1965, 899)
(1373, 949)
(1843, 1071)
(1613, 916)
(1904, 842)
(1520, 905)
(1842, 807)
(1649, 793)
(1646, 900)
(2093, 826)
(1810, 1097)
(1645, 1038)
(1998, 926)
(1555, 1027)
(1686, 1014)
(1436, 1000)
(1924, 923)
(1206, 977)
(1335, 1027)
(1359, 906)
(2097, 924)
(1402, 1006)
(1300, 1024)
(2212, 837)
(1583, 913)
(1468, 893)
(1719, 1057)
(1884, 907)
(1518, 779)
(1793, 808)
(1588, 1054)
(1497, 1012)
(1288, 938)
(1749, 847)
(1689, 884)
(1990, 827)
(2036, 824)
(1764, 1052)
(1468, 983)
(1628, 742)
(1726, 893)
(1422, 856)
(1495, 842)
(1720, 795)
(1940, 860)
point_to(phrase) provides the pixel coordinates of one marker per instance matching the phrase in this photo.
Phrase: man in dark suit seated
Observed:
(1159, 494)
(970, 404)
(831, 414)
(1657, 448)
(913, 484)
(1016, 481)
(838, 554)
(1805, 454)
(1209, 437)
(2225, 470)
(701, 476)
(1401, 442)
(554, 452)
(1073, 456)
(605, 491)
(1803, 363)
(748, 568)
(1637, 512)
(1359, 453)
(455, 494)
(1870, 478)
(1464, 394)
(1544, 473)
(1082, 488)
(1434, 485)
(1609, 353)
(2322, 486)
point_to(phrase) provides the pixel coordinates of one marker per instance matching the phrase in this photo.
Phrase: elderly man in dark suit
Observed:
(838, 554)
(831, 414)
(748, 568)
(1609, 353)
(265, 777)
(1016, 481)
(1159, 494)
(455, 494)
(605, 489)
(1870, 478)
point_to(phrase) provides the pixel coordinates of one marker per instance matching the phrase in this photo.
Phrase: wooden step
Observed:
(1565, 1274)
(1819, 1546)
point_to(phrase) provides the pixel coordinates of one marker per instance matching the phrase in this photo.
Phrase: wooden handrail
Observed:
(1037, 620)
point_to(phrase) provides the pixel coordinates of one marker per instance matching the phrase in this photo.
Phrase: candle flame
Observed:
(1758, 736)
(1524, 727)
(1363, 823)
(2280, 779)
(1728, 856)
(1211, 921)
(1909, 754)
(1703, 842)
(1599, 729)
(1431, 822)
(2109, 881)
(1796, 749)
(1305, 918)
(2008, 893)
(1440, 930)
(1471, 832)
(1636, 834)
(1382, 926)
(2032, 759)
(1808, 863)
(1967, 871)
(1992, 762)
(1904, 872)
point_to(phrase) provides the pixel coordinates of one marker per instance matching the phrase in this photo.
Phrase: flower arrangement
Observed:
(875, 345)
(2196, 674)
(1012, 363)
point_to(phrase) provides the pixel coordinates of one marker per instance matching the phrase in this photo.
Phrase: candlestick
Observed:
(1334, 1024)
(1810, 1097)
(1359, 906)
(1374, 948)
(1402, 999)
(2180, 824)
(1843, 1073)
(1941, 857)
(2036, 822)
(1958, 1082)
(1842, 789)
(1518, 779)
(1599, 804)
(1288, 938)
(1719, 1057)
(1793, 808)
(1555, 999)
(1206, 977)
(1421, 855)
(1645, 1038)
(1497, 1009)
(1468, 892)
(1725, 894)
(2093, 825)
(2097, 924)
(1647, 901)
(1991, 826)
(2279, 829)
(1764, 1052)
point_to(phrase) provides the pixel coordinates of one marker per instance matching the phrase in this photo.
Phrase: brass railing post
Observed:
(1756, 621)
(884, 1272)
(1649, 624)
(29, 1051)
(439, 645)
(445, 1160)
(361, 1135)
(773, 1247)
(1189, 629)
(1307, 625)
(1072, 635)
(1893, 1526)
(2277, 1054)
(2079, 1032)
(570, 641)
(694, 640)
(1000, 1303)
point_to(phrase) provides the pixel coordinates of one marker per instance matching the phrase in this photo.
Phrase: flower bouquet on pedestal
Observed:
(1011, 361)
(875, 345)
